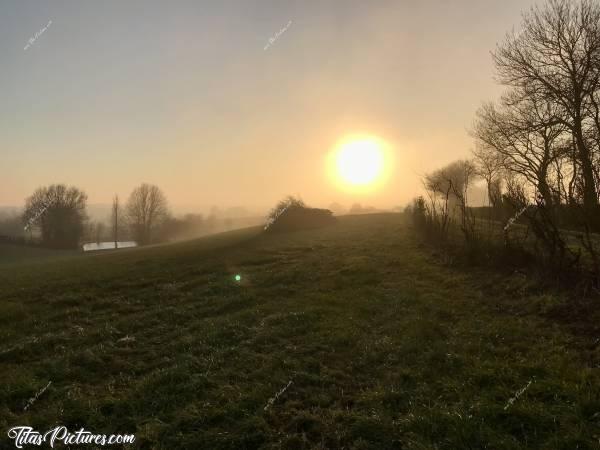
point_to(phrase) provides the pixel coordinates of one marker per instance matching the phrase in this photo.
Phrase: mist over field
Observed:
(269, 224)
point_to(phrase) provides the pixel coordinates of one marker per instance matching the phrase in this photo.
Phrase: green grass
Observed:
(11, 254)
(385, 348)
(522, 234)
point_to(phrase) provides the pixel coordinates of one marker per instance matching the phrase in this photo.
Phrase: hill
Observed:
(350, 336)
(11, 254)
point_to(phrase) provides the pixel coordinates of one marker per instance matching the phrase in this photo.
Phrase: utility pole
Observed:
(115, 214)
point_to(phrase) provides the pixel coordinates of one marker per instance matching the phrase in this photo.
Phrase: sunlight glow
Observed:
(359, 162)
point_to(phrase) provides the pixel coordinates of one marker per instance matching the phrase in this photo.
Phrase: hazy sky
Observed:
(182, 93)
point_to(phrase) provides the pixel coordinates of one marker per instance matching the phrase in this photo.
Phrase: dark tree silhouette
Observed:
(555, 57)
(147, 209)
(59, 211)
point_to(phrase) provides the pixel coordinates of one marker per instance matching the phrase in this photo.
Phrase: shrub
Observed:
(419, 212)
(292, 214)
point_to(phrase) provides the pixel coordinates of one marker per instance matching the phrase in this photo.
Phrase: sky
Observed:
(184, 95)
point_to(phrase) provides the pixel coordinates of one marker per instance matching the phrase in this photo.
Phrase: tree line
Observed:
(57, 214)
(537, 147)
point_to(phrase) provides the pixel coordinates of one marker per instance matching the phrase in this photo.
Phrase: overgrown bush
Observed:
(292, 214)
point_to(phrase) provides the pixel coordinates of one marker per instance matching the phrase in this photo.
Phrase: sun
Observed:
(359, 162)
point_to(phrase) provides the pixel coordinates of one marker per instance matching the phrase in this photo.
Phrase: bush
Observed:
(292, 214)
(419, 212)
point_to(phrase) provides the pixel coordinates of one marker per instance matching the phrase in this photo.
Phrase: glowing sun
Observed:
(360, 162)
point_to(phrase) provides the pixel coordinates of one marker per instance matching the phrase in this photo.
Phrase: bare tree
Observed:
(525, 135)
(448, 193)
(459, 175)
(439, 202)
(489, 165)
(146, 210)
(556, 56)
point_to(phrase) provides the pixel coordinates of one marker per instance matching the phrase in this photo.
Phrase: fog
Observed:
(238, 103)
(326, 224)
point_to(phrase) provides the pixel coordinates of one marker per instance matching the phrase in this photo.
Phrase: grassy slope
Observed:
(384, 348)
(11, 254)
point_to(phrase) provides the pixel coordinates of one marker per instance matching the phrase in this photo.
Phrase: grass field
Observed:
(384, 347)
(11, 254)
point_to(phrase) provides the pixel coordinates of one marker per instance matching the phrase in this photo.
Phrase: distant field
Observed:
(384, 347)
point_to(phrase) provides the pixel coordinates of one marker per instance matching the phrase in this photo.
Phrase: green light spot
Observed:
(238, 278)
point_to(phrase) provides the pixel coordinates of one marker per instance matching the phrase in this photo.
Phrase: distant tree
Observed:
(188, 227)
(147, 209)
(194, 222)
(418, 209)
(11, 224)
(357, 208)
(59, 211)
(169, 229)
(89, 231)
(447, 189)
(99, 231)
(489, 164)
(337, 209)
(235, 212)
(521, 134)
(211, 222)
